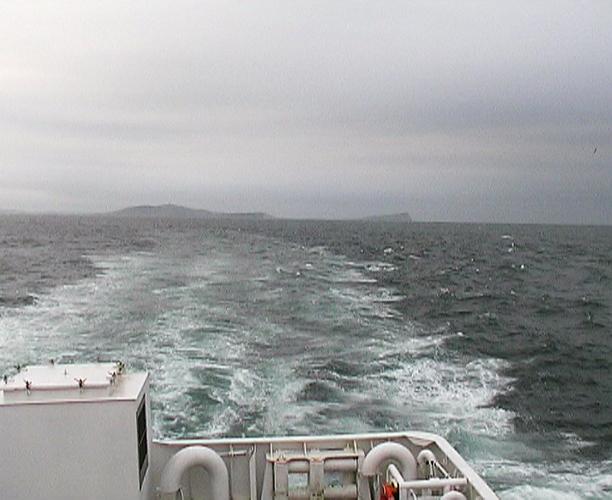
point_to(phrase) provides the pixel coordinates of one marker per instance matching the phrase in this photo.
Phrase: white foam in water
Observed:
(247, 335)
(535, 493)
(441, 394)
(564, 481)
(372, 267)
(452, 398)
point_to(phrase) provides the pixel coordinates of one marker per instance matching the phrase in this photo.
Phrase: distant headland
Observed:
(401, 217)
(171, 211)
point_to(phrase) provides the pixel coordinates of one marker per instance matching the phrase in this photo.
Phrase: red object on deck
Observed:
(389, 492)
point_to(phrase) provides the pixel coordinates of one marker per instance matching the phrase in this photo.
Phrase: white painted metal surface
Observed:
(62, 441)
(78, 432)
(71, 383)
(258, 467)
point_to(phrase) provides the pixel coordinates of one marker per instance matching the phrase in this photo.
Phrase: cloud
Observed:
(308, 108)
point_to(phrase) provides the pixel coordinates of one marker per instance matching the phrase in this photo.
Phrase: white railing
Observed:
(434, 483)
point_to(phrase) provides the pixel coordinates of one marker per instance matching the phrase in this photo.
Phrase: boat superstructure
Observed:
(83, 431)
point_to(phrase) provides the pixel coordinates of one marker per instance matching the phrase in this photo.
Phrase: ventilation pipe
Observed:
(390, 452)
(195, 456)
(453, 495)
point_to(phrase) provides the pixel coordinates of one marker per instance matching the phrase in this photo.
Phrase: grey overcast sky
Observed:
(457, 111)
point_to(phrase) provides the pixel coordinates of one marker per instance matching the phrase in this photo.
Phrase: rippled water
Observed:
(497, 337)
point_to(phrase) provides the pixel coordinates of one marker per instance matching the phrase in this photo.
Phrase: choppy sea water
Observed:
(498, 337)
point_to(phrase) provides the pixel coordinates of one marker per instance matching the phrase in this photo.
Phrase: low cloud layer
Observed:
(469, 112)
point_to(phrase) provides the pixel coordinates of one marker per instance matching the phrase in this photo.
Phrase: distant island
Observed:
(171, 211)
(401, 217)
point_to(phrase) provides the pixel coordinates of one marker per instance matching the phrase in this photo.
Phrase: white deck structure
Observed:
(83, 431)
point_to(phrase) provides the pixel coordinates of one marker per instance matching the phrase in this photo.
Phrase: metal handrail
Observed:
(420, 484)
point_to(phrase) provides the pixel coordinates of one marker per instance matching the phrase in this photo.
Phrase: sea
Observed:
(497, 337)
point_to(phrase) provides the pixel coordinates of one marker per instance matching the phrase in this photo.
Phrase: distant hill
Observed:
(170, 211)
(401, 217)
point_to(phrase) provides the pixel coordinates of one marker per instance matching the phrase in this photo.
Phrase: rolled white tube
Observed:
(196, 456)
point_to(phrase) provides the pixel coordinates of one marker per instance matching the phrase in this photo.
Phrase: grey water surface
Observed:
(498, 337)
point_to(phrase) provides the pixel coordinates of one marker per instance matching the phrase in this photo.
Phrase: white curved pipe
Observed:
(453, 495)
(386, 452)
(193, 456)
(426, 457)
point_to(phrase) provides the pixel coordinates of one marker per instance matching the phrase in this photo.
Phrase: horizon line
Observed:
(364, 218)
